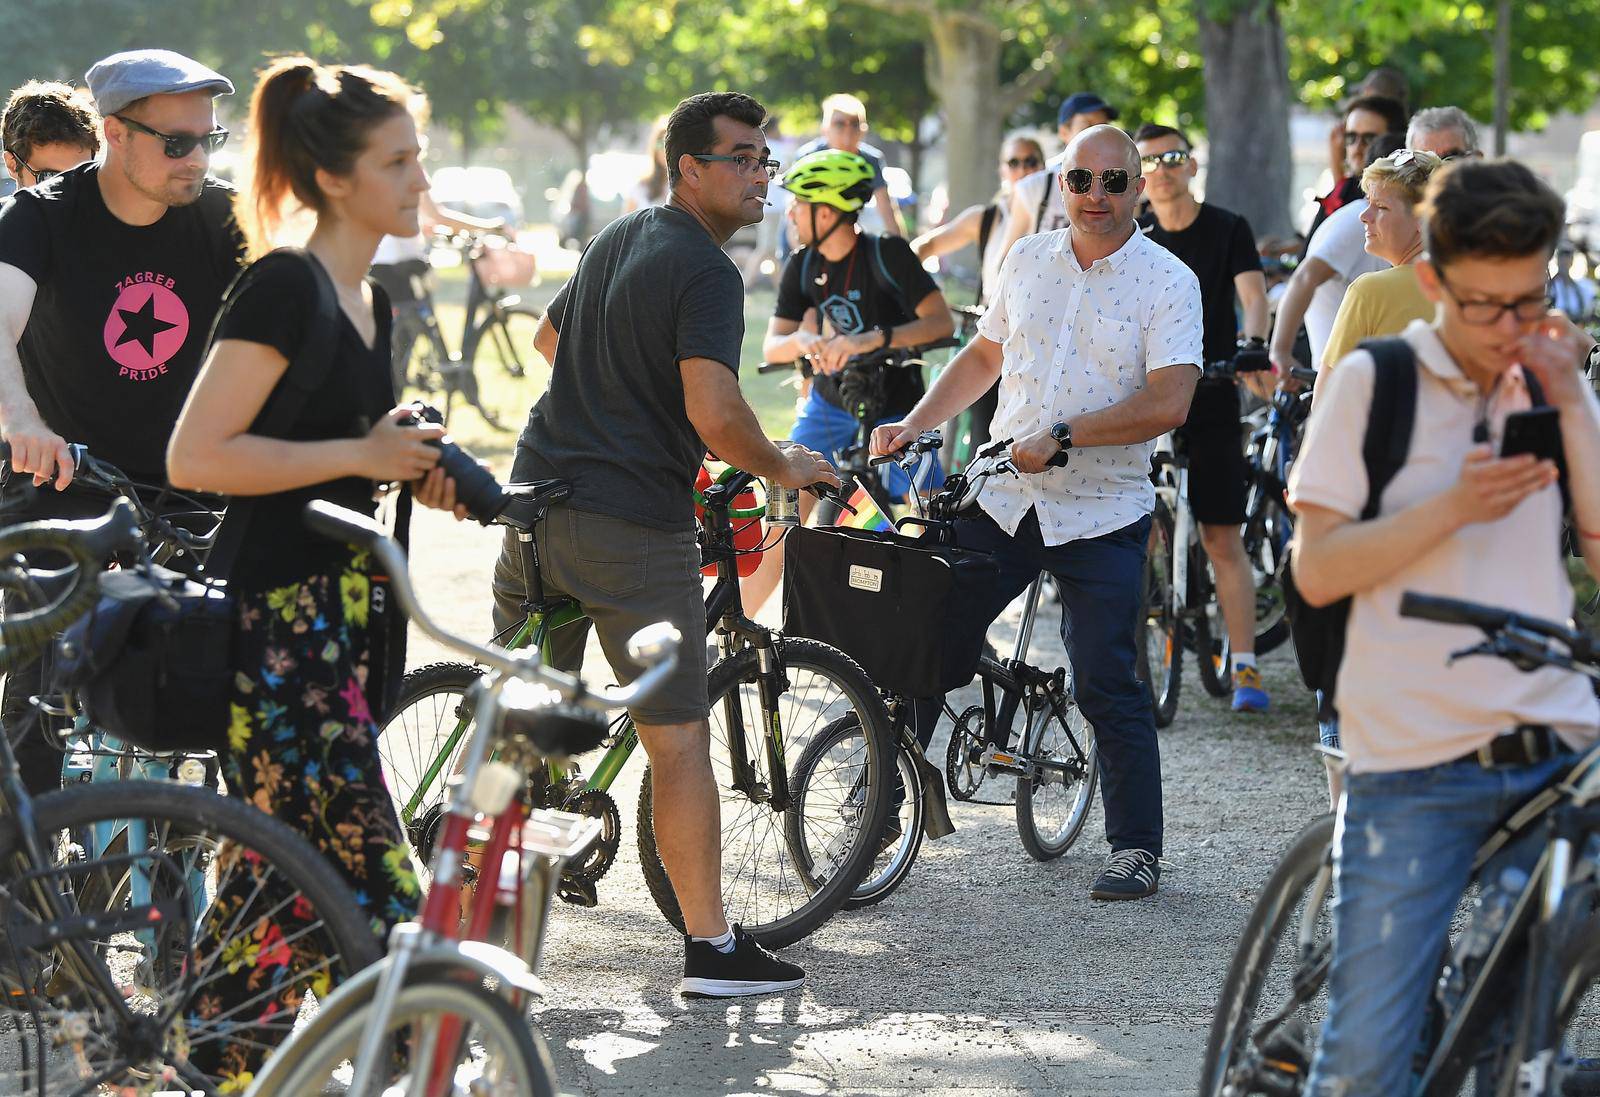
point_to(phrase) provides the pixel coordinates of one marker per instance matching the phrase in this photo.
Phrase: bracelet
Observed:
(888, 335)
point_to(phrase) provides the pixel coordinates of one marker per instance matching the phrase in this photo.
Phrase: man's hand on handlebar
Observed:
(1033, 453)
(891, 438)
(834, 354)
(804, 467)
(37, 449)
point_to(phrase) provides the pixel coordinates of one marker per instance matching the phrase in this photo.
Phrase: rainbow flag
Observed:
(867, 515)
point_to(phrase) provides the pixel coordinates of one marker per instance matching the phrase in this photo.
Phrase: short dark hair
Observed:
(692, 126)
(1489, 209)
(1152, 131)
(1393, 111)
(40, 113)
(1387, 145)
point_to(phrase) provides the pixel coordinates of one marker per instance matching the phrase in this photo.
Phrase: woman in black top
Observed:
(303, 739)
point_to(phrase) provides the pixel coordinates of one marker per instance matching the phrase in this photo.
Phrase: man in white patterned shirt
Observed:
(1095, 336)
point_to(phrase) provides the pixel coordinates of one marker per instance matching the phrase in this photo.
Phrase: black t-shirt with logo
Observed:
(1217, 246)
(121, 313)
(852, 297)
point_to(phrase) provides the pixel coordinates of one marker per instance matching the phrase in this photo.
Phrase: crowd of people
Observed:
(1108, 286)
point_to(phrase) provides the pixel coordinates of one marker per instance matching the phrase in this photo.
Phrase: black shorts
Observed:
(1214, 441)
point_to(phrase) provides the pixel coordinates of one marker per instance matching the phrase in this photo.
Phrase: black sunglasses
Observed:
(1172, 158)
(1079, 180)
(39, 174)
(1024, 162)
(1352, 138)
(179, 145)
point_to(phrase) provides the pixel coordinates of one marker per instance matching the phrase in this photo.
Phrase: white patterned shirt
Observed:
(1076, 341)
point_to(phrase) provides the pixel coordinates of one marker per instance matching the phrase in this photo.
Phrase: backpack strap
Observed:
(307, 371)
(1391, 417)
(1044, 200)
(985, 229)
(885, 282)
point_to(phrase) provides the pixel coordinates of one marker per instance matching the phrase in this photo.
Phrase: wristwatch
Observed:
(1062, 433)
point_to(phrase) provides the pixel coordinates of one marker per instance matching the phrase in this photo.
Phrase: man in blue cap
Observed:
(110, 275)
(1036, 204)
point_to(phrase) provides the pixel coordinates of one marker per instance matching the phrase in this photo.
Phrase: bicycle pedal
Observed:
(1001, 761)
(580, 893)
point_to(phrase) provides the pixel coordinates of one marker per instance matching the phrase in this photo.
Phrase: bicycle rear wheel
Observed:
(421, 746)
(1268, 529)
(1160, 640)
(498, 1052)
(223, 885)
(507, 333)
(1053, 802)
(781, 887)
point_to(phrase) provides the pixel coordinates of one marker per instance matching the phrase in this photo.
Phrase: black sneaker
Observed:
(1129, 874)
(748, 969)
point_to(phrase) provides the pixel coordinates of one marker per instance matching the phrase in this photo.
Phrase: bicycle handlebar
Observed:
(1494, 621)
(655, 645)
(894, 357)
(91, 543)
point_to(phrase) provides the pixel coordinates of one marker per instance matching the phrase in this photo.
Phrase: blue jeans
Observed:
(1403, 852)
(1101, 583)
(828, 429)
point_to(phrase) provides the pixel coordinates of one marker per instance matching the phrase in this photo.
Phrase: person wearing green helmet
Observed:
(843, 294)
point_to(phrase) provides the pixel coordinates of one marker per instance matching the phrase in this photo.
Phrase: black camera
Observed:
(476, 487)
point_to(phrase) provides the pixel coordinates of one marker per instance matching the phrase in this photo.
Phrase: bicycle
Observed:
(1510, 982)
(1180, 599)
(966, 434)
(99, 988)
(430, 993)
(771, 695)
(496, 318)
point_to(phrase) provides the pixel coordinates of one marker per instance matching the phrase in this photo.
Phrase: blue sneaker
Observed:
(1248, 696)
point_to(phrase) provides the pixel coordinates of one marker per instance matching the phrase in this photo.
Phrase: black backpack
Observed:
(882, 280)
(1319, 631)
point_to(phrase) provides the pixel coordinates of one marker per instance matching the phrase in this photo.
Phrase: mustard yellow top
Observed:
(1380, 303)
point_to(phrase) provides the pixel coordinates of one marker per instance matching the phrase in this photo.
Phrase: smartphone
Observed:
(1536, 431)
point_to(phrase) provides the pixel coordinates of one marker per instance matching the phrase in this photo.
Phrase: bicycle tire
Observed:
(408, 746)
(304, 1066)
(897, 859)
(342, 934)
(1211, 651)
(1268, 528)
(1046, 843)
(1160, 639)
(502, 329)
(796, 657)
(1290, 880)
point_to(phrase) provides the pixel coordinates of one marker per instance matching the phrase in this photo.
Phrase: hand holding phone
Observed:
(1536, 431)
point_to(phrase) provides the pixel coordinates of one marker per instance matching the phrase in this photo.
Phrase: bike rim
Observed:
(1060, 800)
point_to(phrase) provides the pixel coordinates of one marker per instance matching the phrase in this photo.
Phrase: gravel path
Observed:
(985, 973)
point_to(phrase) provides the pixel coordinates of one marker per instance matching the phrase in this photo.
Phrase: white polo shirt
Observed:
(1077, 341)
(1402, 705)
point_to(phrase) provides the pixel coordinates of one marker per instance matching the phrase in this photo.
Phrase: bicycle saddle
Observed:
(529, 502)
(557, 731)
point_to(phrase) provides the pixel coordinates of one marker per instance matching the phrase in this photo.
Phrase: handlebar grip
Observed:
(1304, 375)
(342, 524)
(881, 459)
(1453, 611)
(774, 367)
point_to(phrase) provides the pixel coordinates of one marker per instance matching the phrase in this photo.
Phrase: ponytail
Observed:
(305, 116)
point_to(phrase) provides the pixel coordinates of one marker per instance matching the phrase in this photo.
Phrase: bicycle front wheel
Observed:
(209, 887)
(1053, 800)
(488, 1046)
(783, 877)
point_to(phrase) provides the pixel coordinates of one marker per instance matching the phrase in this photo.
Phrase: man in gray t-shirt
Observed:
(644, 347)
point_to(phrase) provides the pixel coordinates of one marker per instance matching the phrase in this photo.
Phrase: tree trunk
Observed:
(1502, 76)
(966, 66)
(1247, 114)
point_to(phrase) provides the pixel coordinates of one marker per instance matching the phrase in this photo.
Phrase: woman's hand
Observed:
(438, 491)
(392, 451)
(1554, 352)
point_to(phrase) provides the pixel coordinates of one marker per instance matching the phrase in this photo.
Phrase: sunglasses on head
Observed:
(1079, 180)
(1024, 162)
(1172, 158)
(178, 145)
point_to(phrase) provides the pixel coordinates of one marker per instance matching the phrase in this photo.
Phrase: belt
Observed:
(1524, 745)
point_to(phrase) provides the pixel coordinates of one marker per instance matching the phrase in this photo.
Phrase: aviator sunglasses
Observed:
(1079, 180)
(179, 145)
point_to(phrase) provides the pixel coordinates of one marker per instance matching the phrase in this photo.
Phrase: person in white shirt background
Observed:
(1036, 204)
(1094, 333)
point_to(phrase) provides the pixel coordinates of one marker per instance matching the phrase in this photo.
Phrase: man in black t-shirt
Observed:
(110, 275)
(1219, 247)
(644, 344)
(843, 294)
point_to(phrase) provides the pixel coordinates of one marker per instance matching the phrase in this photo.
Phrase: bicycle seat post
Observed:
(1030, 609)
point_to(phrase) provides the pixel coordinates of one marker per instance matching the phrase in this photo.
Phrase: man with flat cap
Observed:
(110, 276)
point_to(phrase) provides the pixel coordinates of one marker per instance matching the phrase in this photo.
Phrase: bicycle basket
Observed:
(889, 601)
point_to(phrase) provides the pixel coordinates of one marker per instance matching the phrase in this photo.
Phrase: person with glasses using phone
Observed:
(1439, 752)
(844, 124)
(1366, 118)
(1095, 335)
(1219, 247)
(110, 276)
(45, 129)
(644, 346)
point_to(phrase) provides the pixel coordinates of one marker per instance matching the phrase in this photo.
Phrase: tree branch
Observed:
(1035, 79)
(926, 8)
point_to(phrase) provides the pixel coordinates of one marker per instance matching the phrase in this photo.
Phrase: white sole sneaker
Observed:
(734, 988)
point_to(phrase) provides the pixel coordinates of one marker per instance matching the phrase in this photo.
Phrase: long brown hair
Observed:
(305, 116)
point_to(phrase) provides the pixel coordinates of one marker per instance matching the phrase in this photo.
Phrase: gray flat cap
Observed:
(123, 77)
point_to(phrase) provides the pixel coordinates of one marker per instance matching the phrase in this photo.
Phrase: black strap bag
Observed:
(888, 601)
(152, 663)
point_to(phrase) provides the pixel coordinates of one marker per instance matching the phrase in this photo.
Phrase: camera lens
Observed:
(476, 487)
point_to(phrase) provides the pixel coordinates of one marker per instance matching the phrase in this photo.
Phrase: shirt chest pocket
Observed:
(1115, 341)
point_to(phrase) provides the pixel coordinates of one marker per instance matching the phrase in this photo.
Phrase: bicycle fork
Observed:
(771, 684)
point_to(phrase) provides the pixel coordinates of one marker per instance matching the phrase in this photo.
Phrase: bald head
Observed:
(1101, 185)
(1103, 146)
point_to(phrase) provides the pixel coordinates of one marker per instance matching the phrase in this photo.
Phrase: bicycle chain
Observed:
(598, 859)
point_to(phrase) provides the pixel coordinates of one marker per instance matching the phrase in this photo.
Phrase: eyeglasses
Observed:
(179, 145)
(1352, 138)
(39, 174)
(1023, 162)
(845, 123)
(1079, 180)
(1172, 158)
(1454, 154)
(747, 165)
(1483, 313)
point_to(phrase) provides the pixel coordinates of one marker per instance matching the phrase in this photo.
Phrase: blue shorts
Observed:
(828, 429)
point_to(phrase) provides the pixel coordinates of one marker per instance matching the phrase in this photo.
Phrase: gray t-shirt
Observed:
(651, 290)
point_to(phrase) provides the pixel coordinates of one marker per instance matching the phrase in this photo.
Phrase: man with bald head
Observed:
(1094, 333)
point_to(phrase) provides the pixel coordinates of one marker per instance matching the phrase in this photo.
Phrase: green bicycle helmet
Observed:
(832, 177)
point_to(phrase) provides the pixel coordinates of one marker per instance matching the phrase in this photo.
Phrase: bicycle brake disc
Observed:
(598, 859)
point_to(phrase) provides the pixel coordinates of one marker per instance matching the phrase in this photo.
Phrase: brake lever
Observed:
(835, 495)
